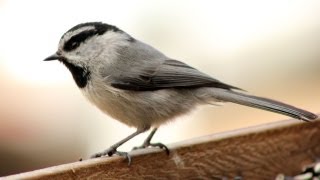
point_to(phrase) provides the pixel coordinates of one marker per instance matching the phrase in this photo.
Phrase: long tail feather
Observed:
(263, 103)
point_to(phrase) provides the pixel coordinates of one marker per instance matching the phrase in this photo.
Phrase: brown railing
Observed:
(259, 152)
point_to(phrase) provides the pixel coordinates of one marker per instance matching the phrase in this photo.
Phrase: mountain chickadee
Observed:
(140, 86)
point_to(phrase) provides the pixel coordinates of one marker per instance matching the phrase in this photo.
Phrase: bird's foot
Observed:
(148, 144)
(111, 151)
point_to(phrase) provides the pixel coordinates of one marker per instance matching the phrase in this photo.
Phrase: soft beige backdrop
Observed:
(269, 48)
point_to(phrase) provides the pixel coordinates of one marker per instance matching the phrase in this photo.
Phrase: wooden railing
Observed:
(259, 152)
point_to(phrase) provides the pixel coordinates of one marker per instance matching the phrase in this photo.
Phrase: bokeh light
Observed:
(270, 48)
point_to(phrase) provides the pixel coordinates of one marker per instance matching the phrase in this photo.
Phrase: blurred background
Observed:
(269, 48)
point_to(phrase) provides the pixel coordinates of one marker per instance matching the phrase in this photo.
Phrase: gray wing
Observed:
(169, 74)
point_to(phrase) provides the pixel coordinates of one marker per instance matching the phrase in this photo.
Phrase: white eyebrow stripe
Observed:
(68, 35)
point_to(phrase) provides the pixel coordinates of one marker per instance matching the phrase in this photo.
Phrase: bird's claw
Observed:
(111, 151)
(146, 145)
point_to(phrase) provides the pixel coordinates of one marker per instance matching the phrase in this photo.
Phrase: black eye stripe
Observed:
(76, 40)
(98, 29)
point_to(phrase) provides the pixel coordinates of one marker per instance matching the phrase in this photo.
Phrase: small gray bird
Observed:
(141, 87)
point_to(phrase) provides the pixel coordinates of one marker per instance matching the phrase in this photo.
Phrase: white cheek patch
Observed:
(94, 49)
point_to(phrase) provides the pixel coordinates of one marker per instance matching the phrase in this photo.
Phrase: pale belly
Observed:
(141, 109)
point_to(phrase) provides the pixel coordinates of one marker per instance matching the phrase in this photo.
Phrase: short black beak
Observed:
(53, 57)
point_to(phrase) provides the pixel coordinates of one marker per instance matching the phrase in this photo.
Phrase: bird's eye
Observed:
(74, 44)
(77, 39)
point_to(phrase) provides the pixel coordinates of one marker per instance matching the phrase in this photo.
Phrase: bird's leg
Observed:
(113, 149)
(147, 142)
